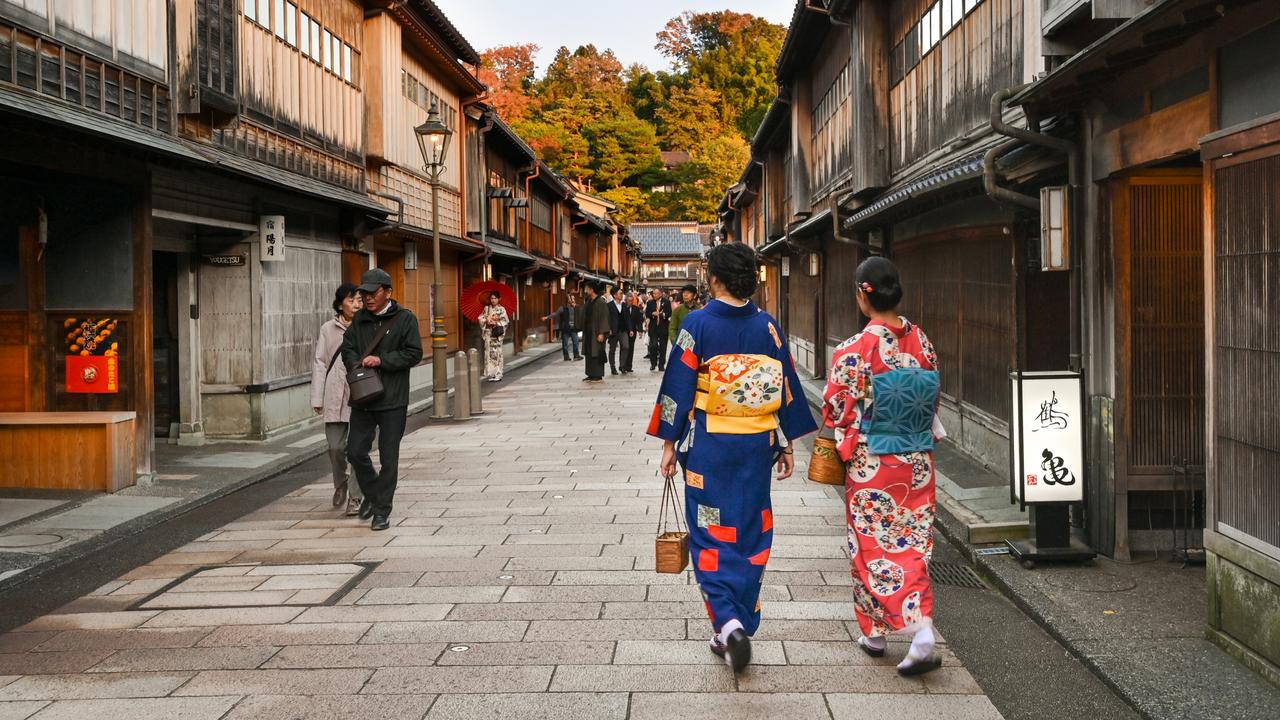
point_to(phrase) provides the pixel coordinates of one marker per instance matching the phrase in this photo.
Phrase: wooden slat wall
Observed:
(296, 297)
(949, 92)
(1246, 432)
(832, 111)
(13, 361)
(417, 199)
(137, 28)
(295, 92)
(403, 115)
(1166, 324)
(417, 296)
(960, 291)
(226, 325)
(843, 320)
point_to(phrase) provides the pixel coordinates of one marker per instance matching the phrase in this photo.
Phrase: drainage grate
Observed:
(992, 551)
(952, 574)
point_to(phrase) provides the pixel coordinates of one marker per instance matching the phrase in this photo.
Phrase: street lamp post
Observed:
(433, 141)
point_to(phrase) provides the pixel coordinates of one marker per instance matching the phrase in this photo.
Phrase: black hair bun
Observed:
(878, 279)
(734, 264)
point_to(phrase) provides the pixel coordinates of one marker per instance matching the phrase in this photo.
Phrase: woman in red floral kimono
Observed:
(881, 400)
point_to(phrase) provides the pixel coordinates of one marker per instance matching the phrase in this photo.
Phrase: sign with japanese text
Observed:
(1047, 437)
(93, 374)
(271, 238)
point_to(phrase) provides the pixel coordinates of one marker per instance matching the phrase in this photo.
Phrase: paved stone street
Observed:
(517, 581)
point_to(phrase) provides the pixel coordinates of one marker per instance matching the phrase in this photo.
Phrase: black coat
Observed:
(399, 351)
(619, 321)
(562, 318)
(635, 319)
(658, 315)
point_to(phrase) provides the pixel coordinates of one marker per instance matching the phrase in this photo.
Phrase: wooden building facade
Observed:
(1176, 115)
(1160, 119)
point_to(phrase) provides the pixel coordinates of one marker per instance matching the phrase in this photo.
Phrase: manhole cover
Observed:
(224, 586)
(952, 574)
(26, 541)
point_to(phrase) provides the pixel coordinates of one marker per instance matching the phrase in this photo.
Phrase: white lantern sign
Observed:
(1047, 437)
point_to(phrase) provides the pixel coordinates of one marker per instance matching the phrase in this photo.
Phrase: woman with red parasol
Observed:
(493, 324)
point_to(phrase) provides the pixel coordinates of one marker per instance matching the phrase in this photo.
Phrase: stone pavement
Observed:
(517, 581)
(41, 529)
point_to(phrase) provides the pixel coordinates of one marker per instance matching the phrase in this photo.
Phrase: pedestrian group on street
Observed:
(730, 409)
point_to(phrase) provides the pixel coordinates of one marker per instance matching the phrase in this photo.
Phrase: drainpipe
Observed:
(484, 190)
(399, 201)
(528, 212)
(1075, 180)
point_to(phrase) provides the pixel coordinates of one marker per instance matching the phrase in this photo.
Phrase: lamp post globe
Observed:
(433, 140)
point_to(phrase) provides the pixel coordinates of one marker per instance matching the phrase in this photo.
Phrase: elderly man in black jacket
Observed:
(657, 314)
(398, 350)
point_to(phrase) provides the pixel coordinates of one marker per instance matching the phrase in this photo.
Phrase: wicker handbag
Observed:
(671, 550)
(825, 465)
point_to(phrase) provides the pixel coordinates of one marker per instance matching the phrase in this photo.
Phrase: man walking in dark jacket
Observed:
(635, 330)
(568, 318)
(398, 350)
(657, 313)
(595, 330)
(619, 329)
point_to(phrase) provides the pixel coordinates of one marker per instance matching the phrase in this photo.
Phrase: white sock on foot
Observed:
(875, 642)
(728, 629)
(921, 647)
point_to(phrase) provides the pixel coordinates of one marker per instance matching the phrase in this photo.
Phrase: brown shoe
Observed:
(353, 507)
(340, 496)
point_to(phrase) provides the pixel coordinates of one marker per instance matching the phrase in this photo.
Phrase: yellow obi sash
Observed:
(741, 394)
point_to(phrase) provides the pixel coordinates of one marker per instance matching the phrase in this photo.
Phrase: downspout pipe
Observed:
(1075, 181)
(484, 188)
(531, 173)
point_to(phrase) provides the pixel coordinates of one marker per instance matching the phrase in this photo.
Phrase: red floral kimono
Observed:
(889, 498)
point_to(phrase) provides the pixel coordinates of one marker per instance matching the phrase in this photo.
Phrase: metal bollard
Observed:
(477, 404)
(461, 391)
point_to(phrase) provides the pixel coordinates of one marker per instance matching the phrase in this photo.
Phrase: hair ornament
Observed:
(866, 288)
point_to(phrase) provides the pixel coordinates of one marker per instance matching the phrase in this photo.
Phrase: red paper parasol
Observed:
(476, 295)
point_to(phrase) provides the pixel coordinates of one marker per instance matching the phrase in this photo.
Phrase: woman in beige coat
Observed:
(329, 394)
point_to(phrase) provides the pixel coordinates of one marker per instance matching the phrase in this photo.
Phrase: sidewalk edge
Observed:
(113, 535)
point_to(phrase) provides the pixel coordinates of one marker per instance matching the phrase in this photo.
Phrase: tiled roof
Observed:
(667, 238)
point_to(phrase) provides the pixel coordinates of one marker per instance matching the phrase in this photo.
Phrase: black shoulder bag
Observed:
(366, 382)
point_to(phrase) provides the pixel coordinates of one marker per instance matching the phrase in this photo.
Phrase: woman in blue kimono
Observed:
(730, 407)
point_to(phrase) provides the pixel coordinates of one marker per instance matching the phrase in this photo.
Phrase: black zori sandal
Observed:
(920, 667)
(738, 650)
(868, 649)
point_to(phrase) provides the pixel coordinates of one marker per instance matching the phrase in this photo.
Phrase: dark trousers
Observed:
(616, 342)
(566, 337)
(595, 365)
(658, 351)
(380, 487)
(629, 353)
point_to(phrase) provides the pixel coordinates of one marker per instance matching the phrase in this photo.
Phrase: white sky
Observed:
(627, 27)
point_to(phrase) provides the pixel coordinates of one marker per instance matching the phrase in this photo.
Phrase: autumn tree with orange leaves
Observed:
(601, 124)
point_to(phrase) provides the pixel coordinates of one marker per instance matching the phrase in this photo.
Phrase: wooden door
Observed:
(1159, 234)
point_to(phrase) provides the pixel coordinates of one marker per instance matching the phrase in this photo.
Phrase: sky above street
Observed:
(628, 28)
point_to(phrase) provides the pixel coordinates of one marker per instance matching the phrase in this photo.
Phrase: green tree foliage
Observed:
(602, 124)
(700, 183)
(731, 53)
(689, 116)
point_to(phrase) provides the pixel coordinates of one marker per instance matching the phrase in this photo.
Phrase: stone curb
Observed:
(955, 531)
(297, 457)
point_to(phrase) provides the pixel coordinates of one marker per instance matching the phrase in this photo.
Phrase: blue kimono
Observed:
(729, 388)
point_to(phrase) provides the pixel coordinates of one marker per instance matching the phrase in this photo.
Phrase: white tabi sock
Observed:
(875, 642)
(728, 629)
(921, 647)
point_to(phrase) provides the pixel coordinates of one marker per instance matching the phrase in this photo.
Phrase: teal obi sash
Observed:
(901, 418)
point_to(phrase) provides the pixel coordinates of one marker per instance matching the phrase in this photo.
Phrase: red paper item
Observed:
(93, 374)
